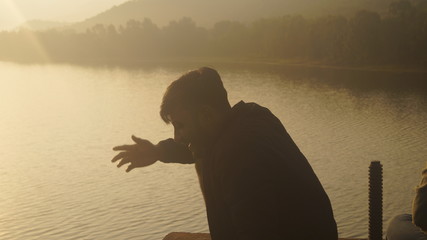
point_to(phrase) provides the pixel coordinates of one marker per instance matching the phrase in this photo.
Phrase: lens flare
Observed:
(29, 35)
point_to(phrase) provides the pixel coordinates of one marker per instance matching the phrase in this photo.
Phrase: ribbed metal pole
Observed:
(375, 201)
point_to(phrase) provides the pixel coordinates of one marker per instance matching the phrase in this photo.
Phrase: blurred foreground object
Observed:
(205, 236)
(187, 236)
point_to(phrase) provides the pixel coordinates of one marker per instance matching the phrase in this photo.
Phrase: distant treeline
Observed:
(399, 37)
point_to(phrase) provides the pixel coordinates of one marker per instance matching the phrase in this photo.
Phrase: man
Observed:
(255, 181)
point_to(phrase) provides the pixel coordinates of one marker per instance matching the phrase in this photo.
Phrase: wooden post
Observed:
(375, 201)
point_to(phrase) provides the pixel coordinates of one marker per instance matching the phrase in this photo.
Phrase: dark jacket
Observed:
(256, 182)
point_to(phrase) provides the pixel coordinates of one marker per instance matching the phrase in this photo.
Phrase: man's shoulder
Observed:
(255, 135)
(251, 121)
(250, 108)
(253, 129)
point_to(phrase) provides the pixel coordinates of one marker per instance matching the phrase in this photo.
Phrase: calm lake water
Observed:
(58, 124)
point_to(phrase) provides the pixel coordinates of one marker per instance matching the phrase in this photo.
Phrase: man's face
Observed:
(189, 130)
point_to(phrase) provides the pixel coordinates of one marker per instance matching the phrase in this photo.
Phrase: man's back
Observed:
(258, 185)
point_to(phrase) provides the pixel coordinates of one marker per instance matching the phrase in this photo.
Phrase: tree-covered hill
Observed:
(397, 37)
(206, 12)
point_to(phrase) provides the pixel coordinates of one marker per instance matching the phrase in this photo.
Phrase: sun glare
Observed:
(33, 39)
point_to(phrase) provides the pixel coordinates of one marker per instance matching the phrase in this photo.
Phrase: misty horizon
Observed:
(16, 13)
(81, 14)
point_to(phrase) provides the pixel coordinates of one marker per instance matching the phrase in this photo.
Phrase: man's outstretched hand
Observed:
(141, 154)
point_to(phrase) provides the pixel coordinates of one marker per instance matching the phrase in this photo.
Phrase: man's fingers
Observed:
(124, 147)
(132, 152)
(123, 161)
(118, 156)
(130, 167)
(139, 140)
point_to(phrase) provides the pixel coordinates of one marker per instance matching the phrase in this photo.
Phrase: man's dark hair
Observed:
(195, 88)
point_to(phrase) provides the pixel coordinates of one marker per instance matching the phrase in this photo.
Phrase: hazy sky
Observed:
(15, 12)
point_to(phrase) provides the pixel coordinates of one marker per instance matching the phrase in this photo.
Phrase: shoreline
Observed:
(267, 62)
(300, 63)
(331, 66)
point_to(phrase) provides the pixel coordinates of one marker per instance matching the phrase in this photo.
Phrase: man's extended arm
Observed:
(419, 208)
(143, 153)
(173, 152)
